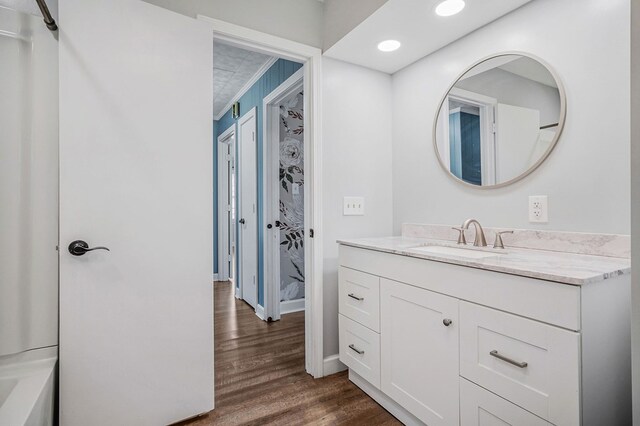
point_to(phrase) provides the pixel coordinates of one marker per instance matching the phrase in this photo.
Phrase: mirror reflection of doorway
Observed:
(465, 142)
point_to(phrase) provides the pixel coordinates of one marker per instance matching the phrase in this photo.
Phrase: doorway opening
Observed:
(259, 121)
(308, 59)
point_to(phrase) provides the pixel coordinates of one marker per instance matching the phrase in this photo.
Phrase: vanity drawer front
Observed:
(534, 365)
(360, 349)
(479, 407)
(359, 297)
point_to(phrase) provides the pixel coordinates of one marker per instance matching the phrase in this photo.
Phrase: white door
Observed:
(226, 148)
(419, 351)
(136, 176)
(248, 214)
(517, 131)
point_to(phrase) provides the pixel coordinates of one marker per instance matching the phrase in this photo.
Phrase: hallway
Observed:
(260, 377)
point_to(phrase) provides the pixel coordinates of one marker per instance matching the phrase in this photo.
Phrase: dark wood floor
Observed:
(260, 377)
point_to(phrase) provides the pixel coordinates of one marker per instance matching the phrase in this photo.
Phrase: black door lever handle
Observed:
(79, 248)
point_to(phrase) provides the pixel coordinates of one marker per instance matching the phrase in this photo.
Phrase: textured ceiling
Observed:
(232, 69)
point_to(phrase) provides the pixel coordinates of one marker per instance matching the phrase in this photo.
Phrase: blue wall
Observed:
(276, 75)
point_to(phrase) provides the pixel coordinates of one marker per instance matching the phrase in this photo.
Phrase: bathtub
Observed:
(27, 388)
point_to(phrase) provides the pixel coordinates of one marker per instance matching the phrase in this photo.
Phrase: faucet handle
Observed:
(461, 237)
(499, 243)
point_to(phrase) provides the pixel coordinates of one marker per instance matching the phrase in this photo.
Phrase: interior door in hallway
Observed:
(248, 214)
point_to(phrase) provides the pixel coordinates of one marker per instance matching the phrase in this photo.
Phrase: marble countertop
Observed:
(567, 268)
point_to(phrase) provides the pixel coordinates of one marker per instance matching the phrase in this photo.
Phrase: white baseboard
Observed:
(237, 292)
(387, 403)
(260, 312)
(288, 306)
(332, 365)
(215, 277)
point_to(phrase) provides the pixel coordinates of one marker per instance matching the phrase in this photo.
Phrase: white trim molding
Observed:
(263, 69)
(215, 277)
(332, 365)
(312, 59)
(289, 306)
(260, 312)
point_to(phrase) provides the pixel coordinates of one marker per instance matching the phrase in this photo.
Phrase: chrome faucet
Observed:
(480, 240)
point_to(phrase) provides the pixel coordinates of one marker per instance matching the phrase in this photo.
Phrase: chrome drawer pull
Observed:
(358, 351)
(509, 360)
(353, 296)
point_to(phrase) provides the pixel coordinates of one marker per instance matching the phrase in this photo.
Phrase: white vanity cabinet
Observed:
(442, 344)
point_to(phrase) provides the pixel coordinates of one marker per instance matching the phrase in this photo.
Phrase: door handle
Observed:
(241, 221)
(269, 226)
(79, 248)
(356, 350)
(509, 360)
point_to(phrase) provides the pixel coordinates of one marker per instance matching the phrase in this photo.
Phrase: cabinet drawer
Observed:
(479, 407)
(534, 365)
(359, 297)
(360, 350)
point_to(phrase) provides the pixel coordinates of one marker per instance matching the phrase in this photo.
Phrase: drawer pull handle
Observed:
(358, 351)
(353, 296)
(509, 360)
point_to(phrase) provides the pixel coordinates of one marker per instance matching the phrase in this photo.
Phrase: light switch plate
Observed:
(353, 206)
(538, 209)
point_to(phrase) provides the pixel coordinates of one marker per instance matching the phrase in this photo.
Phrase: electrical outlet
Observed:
(353, 206)
(538, 209)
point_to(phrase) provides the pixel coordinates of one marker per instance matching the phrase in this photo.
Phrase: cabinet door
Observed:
(479, 407)
(419, 351)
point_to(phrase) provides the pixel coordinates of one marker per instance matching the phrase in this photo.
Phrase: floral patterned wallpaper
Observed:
(291, 198)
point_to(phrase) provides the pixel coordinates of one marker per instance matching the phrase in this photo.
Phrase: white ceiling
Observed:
(415, 24)
(233, 68)
(531, 69)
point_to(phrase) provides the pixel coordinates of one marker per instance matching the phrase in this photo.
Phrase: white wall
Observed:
(356, 159)
(341, 16)
(587, 175)
(512, 89)
(635, 206)
(297, 20)
(28, 184)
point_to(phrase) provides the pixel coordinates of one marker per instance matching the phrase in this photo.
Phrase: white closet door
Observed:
(248, 208)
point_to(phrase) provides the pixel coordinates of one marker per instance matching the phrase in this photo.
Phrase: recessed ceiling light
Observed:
(449, 7)
(389, 45)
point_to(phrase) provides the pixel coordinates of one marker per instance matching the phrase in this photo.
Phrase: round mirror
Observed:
(499, 121)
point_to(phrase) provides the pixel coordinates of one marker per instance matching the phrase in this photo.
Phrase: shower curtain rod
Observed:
(48, 19)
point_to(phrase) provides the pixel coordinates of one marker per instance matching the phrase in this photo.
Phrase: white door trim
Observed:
(251, 114)
(226, 143)
(312, 59)
(271, 190)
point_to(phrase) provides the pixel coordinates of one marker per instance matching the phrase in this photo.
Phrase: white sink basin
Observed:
(456, 251)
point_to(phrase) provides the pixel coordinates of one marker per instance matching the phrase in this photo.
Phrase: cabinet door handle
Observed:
(447, 322)
(358, 351)
(509, 360)
(353, 296)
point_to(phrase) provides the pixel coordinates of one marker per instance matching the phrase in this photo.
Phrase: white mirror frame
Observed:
(561, 121)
